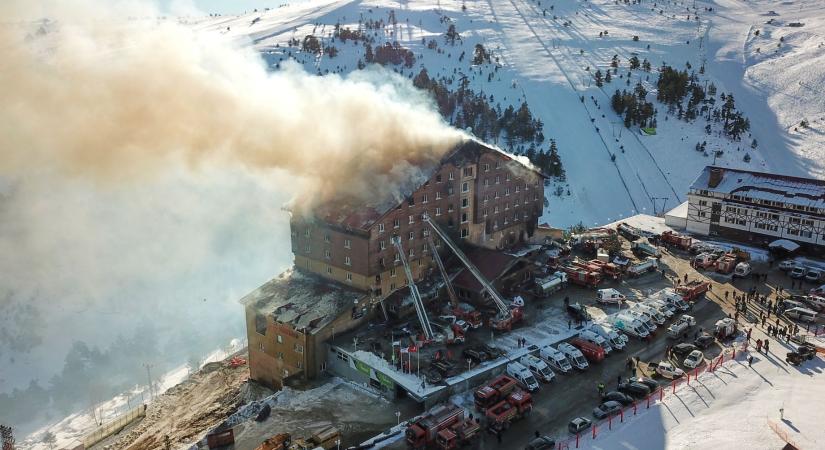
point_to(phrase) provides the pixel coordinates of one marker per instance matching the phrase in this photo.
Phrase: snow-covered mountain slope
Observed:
(548, 52)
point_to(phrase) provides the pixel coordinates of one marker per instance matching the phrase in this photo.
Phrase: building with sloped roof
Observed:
(757, 207)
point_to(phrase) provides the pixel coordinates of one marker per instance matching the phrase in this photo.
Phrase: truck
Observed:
(469, 314)
(648, 265)
(617, 341)
(726, 264)
(677, 240)
(517, 405)
(725, 328)
(591, 351)
(582, 277)
(629, 325)
(679, 328)
(597, 339)
(493, 392)
(523, 375)
(551, 284)
(607, 269)
(555, 359)
(693, 290)
(443, 427)
(629, 232)
(643, 247)
(703, 261)
(573, 355)
(453, 334)
(538, 368)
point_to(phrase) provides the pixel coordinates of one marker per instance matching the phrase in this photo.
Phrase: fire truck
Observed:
(693, 290)
(443, 427)
(677, 240)
(582, 277)
(492, 393)
(517, 405)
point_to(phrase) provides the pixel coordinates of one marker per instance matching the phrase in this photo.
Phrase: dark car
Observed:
(637, 390)
(541, 443)
(606, 409)
(683, 349)
(491, 351)
(704, 340)
(616, 396)
(650, 383)
(578, 425)
(476, 355)
(578, 311)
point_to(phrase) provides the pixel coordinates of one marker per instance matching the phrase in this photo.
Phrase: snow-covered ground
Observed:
(734, 407)
(547, 57)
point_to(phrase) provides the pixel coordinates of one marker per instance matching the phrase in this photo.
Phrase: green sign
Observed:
(362, 367)
(385, 380)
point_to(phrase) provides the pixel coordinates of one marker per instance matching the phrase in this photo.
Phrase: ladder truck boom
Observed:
(417, 302)
(440, 264)
(504, 311)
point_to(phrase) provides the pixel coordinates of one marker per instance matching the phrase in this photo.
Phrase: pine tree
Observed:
(598, 77)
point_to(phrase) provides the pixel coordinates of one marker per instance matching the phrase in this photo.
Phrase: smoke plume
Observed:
(92, 93)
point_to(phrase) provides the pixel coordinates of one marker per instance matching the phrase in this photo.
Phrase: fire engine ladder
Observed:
(504, 311)
(417, 302)
(437, 258)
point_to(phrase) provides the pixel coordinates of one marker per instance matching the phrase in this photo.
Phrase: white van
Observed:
(672, 297)
(617, 341)
(523, 376)
(801, 314)
(651, 312)
(538, 368)
(667, 310)
(610, 296)
(629, 325)
(555, 359)
(573, 354)
(816, 301)
(595, 338)
(644, 319)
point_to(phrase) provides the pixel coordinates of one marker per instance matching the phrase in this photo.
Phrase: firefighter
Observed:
(767, 345)
(758, 345)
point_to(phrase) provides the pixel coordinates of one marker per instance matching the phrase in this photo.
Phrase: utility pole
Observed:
(149, 377)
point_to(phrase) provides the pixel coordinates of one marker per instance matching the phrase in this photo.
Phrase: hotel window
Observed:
(299, 348)
(437, 211)
(486, 198)
(507, 177)
(392, 272)
(451, 176)
(507, 191)
(380, 227)
(484, 212)
(486, 167)
(412, 219)
(381, 261)
(506, 206)
(468, 171)
(498, 164)
(349, 277)
(438, 178)
(306, 232)
(450, 208)
(424, 198)
(307, 248)
(465, 202)
(438, 195)
(261, 346)
(347, 243)
(496, 196)
(382, 245)
(412, 235)
(463, 217)
(411, 201)
(498, 179)
(465, 187)
(464, 233)
(347, 261)
(518, 188)
(412, 253)
(327, 254)
(300, 365)
(326, 237)
(495, 210)
(396, 223)
(329, 270)
(486, 182)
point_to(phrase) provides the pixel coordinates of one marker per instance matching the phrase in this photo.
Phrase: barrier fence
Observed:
(600, 427)
(118, 423)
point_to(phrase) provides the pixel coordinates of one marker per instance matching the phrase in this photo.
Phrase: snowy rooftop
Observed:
(364, 216)
(301, 300)
(807, 192)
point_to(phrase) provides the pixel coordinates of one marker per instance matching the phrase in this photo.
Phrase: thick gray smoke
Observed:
(142, 171)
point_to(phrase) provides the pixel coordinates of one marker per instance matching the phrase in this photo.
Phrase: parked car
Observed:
(649, 382)
(787, 265)
(798, 272)
(476, 355)
(813, 275)
(693, 360)
(668, 370)
(541, 443)
(606, 409)
(704, 340)
(818, 290)
(801, 314)
(616, 396)
(683, 349)
(637, 390)
(579, 424)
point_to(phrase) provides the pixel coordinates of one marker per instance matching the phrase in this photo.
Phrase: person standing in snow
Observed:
(767, 345)
(750, 360)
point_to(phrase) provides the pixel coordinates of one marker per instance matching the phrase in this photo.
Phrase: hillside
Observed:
(547, 53)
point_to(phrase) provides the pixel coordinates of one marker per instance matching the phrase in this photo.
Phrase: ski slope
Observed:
(548, 57)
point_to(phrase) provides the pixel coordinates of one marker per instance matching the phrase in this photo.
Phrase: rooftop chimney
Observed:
(715, 177)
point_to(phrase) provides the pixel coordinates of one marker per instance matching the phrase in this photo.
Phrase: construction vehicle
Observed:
(582, 277)
(443, 427)
(493, 392)
(677, 240)
(629, 232)
(507, 315)
(643, 247)
(517, 405)
(648, 265)
(693, 290)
